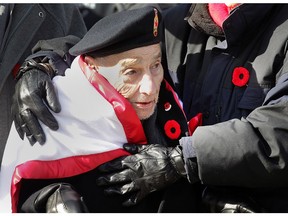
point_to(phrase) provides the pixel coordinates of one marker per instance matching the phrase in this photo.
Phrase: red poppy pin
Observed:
(172, 129)
(167, 106)
(240, 76)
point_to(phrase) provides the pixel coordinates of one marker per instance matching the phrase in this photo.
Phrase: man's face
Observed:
(137, 75)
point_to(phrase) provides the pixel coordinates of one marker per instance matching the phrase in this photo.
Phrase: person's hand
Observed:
(151, 168)
(34, 87)
(225, 200)
(55, 198)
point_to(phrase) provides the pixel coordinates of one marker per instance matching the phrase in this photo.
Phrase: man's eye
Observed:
(130, 72)
(157, 65)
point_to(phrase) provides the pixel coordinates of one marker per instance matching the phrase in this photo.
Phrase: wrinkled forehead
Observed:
(133, 56)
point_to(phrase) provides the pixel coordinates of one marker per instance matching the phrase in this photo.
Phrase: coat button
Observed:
(41, 14)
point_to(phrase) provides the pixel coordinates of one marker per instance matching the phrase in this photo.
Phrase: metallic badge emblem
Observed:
(156, 23)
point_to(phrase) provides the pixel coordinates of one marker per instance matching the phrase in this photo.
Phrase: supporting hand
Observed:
(34, 87)
(225, 200)
(151, 168)
(55, 198)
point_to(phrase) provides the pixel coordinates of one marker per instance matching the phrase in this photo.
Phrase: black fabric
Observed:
(154, 126)
(167, 112)
(229, 201)
(4, 18)
(55, 52)
(249, 151)
(120, 32)
(57, 45)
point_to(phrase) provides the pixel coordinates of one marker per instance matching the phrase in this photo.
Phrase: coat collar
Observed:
(241, 23)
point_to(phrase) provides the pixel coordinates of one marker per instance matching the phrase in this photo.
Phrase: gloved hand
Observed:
(55, 198)
(229, 201)
(32, 88)
(151, 168)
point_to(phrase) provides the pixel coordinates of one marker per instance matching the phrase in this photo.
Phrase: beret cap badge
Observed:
(156, 23)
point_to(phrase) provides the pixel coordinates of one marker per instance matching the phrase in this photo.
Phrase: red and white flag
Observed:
(94, 123)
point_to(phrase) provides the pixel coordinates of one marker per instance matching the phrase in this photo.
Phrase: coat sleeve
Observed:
(66, 27)
(251, 152)
(57, 49)
(56, 52)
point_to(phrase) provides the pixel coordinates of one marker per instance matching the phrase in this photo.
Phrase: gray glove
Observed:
(151, 168)
(55, 198)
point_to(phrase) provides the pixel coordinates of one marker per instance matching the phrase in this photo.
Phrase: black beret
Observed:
(120, 32)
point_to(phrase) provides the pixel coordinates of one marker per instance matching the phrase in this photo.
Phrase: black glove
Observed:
(55, 198)
(151, 168)
(32, 88)
(229, 201)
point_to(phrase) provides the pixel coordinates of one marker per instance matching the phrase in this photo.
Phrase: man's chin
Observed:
(145, 115)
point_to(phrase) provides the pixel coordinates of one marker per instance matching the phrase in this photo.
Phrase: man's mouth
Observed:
(145, 105)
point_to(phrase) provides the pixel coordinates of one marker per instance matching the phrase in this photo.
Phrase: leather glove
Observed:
(226, 201)
(151, 168)
(55, 198)
(34, 87)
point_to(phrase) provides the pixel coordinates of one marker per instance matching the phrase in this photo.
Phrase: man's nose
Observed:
(147, 85)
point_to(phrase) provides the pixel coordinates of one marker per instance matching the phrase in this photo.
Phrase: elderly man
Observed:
(114, 93)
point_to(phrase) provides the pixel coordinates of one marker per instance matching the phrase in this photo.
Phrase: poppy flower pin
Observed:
(172, 129)
(240, 76)
(167, 106)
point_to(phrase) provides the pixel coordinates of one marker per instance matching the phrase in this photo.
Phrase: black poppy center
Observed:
(173, 130)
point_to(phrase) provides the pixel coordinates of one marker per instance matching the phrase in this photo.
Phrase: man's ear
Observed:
(90, 62)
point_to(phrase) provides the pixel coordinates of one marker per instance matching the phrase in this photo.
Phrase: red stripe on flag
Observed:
(61, 168)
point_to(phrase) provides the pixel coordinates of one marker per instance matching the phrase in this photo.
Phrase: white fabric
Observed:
(87, 125)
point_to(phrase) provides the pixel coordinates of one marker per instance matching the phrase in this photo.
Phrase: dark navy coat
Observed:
(244, 142)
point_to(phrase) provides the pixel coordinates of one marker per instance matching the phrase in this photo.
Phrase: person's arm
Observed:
(52, 53)
(250, 152)
(34, 85)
